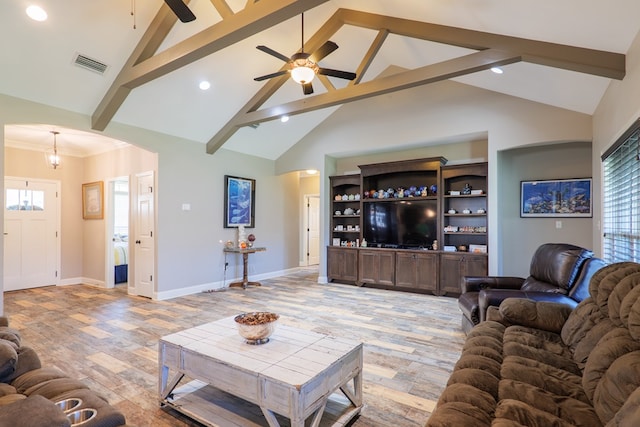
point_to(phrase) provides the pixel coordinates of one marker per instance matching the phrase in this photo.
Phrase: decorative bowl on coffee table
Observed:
(256, 327)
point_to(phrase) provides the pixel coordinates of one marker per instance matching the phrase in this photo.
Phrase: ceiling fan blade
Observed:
(272, 75)
(273, 53)
(337, 73)
(181, 10)
(307, 88)
(323, 51)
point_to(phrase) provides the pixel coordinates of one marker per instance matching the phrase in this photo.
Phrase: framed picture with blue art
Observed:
(556, 198)
(239, 201)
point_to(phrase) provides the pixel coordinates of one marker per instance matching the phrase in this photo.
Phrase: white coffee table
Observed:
(296, 375)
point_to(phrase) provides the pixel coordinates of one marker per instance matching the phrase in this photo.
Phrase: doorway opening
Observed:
(118, 232)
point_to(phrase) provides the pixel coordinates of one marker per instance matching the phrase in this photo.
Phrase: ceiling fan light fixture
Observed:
(303, 70)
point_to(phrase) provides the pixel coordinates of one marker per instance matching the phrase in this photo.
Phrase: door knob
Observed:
(138, 242)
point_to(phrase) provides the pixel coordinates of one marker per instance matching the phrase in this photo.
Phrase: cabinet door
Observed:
(368, 267)
(342, 264)
(427, 271)
(350, 265)
(417, 271)
(475, 265)
(376, 267)
(451, 272)
(405, 270)
(455, 266)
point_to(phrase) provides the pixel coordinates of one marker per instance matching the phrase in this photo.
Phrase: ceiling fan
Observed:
(181, 10)
(304, 66)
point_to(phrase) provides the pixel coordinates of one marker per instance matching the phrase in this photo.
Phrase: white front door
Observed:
(313, 230)
(30, 233)
(144, 246)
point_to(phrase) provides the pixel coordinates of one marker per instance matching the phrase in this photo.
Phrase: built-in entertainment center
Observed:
(417, 225)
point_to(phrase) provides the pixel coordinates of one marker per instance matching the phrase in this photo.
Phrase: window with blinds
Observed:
(621, 199)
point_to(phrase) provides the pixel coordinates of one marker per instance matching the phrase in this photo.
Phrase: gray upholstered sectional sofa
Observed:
(30, 395)
(539, 363)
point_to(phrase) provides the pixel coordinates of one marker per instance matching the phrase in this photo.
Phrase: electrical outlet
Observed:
(558, 224)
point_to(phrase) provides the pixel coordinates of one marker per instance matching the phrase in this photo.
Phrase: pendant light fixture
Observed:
(53, 159)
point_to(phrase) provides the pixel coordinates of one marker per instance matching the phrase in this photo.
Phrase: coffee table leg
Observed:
(271, 418)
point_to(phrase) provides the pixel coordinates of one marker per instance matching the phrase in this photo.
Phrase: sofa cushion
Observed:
(577, 412)
(535, 314)
(614, 344)
(581, 320)
(606, 286)
(456, 414)
(618, 310)
(41, 413)
(10, 334)
(36, 376)
(8, 359)
(620, 380)
(629, 414)
(530, 416)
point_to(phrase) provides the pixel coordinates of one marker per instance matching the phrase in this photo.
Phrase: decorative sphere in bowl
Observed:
(256, 327)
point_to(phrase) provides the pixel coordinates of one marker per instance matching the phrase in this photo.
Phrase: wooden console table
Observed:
(245, 269)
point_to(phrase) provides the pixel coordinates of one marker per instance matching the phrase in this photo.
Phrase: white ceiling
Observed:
(36, 59)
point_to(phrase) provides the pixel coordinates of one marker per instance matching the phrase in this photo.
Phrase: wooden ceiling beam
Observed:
(248, 22)
(444, 70)
(370, 55)
(223, 8)
(597, 62)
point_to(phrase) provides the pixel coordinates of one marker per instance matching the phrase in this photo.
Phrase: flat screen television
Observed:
(400, 223)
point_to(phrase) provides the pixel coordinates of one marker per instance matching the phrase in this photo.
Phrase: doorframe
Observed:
(58, 206)
(109, 206)
(304, 231)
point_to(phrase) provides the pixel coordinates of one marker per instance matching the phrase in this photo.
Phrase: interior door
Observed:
(144, 247)
(313, 231)
(30, 233)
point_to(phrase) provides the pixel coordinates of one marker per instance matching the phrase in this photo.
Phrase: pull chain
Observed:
(133, 12)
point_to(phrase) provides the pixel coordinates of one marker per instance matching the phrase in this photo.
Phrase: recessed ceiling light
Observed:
(204, 85)
(284, 119)
(497, 70)
(311, 171)
(36, 13)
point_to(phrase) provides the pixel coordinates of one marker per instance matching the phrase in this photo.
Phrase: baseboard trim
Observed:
(219, 285)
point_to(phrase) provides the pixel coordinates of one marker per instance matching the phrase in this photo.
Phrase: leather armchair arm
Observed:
(494, 297)
(477, 283)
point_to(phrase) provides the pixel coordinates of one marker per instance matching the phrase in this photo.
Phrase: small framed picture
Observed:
(93, 200)
(239, 202)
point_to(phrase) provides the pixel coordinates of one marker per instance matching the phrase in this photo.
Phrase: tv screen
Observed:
(400, 223)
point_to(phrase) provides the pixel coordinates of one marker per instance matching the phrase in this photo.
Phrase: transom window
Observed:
(621, 198)
(24, 200)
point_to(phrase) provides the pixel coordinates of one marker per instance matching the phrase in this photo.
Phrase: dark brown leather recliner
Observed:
(559, 272)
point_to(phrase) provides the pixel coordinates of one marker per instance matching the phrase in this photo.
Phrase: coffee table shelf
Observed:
(297, 376)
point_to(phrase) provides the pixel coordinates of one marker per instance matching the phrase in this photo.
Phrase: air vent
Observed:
(90, 64)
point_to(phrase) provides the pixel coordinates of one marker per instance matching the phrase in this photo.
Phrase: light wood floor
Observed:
(109, 339)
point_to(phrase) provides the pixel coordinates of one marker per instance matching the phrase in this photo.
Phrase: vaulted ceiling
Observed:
(559, 54)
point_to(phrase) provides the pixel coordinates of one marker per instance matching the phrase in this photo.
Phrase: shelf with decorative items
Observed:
(400, 203)
(345, 206)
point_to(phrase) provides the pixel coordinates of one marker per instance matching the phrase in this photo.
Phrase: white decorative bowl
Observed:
(256, 327)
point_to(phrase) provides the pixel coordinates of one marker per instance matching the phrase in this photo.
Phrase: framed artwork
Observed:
(93, 200)
(239, 201)
(556, 198)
